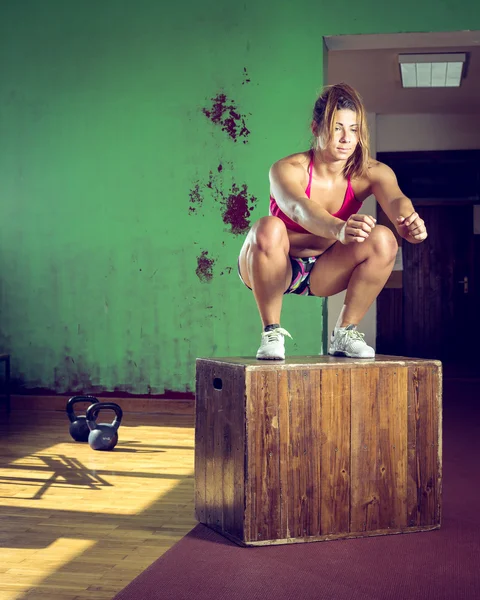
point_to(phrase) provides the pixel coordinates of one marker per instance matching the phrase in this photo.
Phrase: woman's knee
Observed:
(269, 234)
(383, 243)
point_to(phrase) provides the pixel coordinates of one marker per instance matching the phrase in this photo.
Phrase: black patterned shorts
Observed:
(301, 268)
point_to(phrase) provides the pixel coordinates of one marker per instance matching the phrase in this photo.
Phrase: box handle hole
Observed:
(217, 383)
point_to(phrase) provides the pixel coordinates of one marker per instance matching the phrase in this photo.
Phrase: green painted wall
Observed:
(106, 152)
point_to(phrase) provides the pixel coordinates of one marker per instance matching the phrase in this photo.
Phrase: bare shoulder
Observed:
(378, 172)
(293, 167)
(378, 176)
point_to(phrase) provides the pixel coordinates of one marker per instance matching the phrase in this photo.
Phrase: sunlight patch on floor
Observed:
(23, 568)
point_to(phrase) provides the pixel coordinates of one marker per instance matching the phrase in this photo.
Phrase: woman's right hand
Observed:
(356, 229)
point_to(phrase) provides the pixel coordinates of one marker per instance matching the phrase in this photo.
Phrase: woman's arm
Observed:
(285, 183)
(398, 208)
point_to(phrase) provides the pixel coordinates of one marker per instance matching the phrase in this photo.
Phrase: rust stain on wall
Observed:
(224, 113)
(237, 208)
(196, 199)
(237, 204)
(204, 267)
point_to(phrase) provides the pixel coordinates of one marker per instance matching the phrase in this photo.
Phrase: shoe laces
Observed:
(354, 334)
(273, 335)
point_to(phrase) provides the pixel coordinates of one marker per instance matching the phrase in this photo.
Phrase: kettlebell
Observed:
(103, 436)
(79, 429)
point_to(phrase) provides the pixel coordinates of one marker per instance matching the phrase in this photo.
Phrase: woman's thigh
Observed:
(333, 269)
(268, 235)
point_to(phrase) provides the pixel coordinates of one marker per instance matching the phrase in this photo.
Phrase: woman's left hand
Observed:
(412, 228)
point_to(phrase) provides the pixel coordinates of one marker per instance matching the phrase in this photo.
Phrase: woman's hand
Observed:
(356, 229)
(412, 228)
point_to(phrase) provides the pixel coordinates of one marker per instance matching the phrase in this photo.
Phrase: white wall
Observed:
(400, 133)
(368, 325)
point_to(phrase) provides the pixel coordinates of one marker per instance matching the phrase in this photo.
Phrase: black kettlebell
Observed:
(103, 436)
(79, 429)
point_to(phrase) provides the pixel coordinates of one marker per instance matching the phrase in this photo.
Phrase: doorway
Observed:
(403, 120)
(432, 313)
(428, 309)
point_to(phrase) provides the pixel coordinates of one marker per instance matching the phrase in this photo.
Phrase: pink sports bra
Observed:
(349, 207)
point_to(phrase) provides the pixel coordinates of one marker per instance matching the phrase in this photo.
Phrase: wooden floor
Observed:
(80, 524)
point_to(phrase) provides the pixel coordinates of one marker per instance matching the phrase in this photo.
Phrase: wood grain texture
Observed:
(263, 502)
(328, 448)
(304, 457)
(335, 401)
(76, 524)
(310, 362)
(220, 446)
(424, 446)
(379, 440)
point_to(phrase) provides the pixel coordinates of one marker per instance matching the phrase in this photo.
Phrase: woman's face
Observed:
(345, 135)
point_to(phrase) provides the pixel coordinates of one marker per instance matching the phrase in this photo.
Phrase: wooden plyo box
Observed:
(318, 448)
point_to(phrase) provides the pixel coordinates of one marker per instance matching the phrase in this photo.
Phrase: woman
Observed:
(314, 242)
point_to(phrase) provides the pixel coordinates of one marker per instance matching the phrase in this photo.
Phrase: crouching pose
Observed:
(314, 242)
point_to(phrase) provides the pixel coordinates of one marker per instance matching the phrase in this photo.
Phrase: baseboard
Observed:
(129, 405)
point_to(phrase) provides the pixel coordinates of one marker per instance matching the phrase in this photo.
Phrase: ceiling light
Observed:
(431, 70)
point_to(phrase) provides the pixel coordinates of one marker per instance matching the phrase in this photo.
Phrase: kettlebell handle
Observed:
(94, 409)
(74, 400)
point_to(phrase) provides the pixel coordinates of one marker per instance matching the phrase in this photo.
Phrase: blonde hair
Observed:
(340, 97)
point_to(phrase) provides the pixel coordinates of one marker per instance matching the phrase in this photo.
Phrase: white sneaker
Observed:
(273, 344)
(347, 341)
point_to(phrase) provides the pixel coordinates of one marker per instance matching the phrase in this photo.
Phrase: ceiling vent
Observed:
(431, 70)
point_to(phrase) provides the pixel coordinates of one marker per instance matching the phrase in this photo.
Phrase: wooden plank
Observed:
(304, 458)
(221, 373)
(335, 451)
(364, 495)
(379, 434)
(221, 473)
(222, 457)
(233, 393)
(424, 446)
(211, 401)
(222, 393)
(202, 376)
(295, 479)
(301, 452)
(392, 465)
(238, 448)
(312, 362)
(313, 458)
(266, 458)
(284, 453)
(251, 425)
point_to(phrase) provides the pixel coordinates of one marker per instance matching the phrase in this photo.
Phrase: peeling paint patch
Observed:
(212, 182)
(204, 267)
(245, 74)
(224, 113)
(237, 208)
(196, 199)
